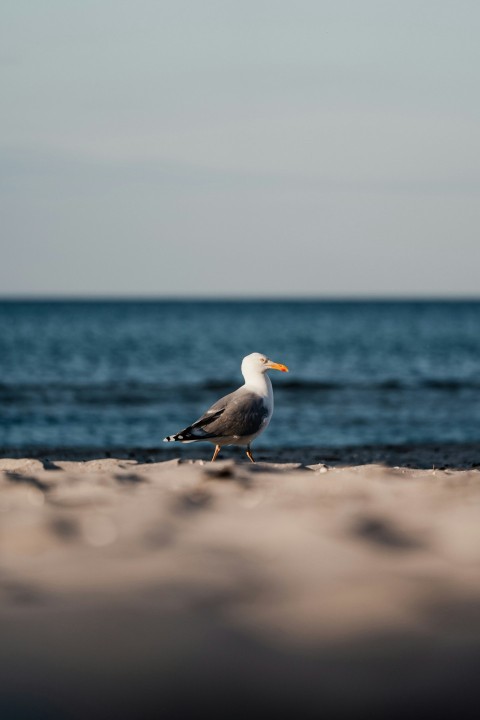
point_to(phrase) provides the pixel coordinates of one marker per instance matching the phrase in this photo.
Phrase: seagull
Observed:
(241, 416)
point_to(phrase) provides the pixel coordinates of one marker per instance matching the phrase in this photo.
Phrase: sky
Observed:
(250, 148)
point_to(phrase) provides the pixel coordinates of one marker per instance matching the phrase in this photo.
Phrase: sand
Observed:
(134, 587)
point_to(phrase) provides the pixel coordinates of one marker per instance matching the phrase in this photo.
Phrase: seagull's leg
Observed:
(217, 450)
(249, 454)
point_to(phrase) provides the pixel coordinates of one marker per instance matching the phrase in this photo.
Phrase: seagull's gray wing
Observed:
(238, 414)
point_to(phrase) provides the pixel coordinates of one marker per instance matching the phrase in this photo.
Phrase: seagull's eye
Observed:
(263, 359)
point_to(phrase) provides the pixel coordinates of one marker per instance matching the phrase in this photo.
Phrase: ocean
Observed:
(123, 374)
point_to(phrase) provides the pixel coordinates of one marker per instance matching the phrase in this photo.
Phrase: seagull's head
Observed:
(258, 363)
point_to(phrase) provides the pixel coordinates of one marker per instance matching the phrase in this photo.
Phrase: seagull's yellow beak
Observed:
(276, 366)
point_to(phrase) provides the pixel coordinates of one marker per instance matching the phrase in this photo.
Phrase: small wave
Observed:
(133, 393)
(357, 384)
(450, 384)
(388, 384)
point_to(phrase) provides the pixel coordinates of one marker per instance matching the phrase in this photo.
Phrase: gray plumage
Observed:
(239, 414)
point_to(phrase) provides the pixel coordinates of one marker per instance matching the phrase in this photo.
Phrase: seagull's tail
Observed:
(196, 432)
(179, 437)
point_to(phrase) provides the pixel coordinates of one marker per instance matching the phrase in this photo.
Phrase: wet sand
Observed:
(334, 585)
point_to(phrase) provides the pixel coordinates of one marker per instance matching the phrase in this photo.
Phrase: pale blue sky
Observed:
(237, 148)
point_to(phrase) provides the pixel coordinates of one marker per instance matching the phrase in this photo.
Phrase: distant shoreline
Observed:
(426, 455)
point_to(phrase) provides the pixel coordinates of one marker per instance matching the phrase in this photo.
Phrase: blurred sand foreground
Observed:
(185, 589)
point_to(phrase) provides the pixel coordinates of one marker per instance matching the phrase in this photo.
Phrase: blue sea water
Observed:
(126, 373)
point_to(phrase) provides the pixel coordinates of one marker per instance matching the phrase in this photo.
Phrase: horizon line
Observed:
(44, 298)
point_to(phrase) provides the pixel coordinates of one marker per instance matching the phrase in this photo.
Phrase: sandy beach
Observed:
(340, 584)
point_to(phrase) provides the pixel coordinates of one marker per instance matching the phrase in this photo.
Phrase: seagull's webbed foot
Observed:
(217, 450)
(249, 454)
